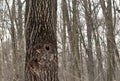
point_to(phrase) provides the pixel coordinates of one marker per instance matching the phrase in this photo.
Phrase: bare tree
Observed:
(89, 23)
(111, 44)
(41, 44)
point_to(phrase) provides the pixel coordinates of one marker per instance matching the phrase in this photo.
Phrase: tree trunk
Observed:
(64, 54)
(89, 23)
(41, 45)
(68, 24)
(20, 42)
(13, 37)
(111, 44)
(76, 53)
(99, 55)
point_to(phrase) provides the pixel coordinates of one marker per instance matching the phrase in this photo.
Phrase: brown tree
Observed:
(111, 43)
(89, 50)
(41, 45)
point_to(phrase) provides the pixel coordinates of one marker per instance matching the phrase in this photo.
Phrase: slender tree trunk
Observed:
(20, 42)
(89, 23)
(1, 43)
(1, 62)
(68, 24)
(76, 54)
(2, 53)
(14, 42)
(64, 54)
(13, 37)
(99, 56)
(41, 44)
(111, 44)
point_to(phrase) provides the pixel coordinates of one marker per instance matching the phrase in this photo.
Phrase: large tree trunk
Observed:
(41, 45)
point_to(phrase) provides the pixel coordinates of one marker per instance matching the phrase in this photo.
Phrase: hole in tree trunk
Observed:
(47, 48)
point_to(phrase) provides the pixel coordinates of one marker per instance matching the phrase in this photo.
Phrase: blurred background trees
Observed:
(88, 38)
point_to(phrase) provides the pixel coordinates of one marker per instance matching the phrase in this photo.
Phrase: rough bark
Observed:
(41, 45)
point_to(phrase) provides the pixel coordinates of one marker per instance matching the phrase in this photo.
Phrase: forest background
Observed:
(88, 40)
